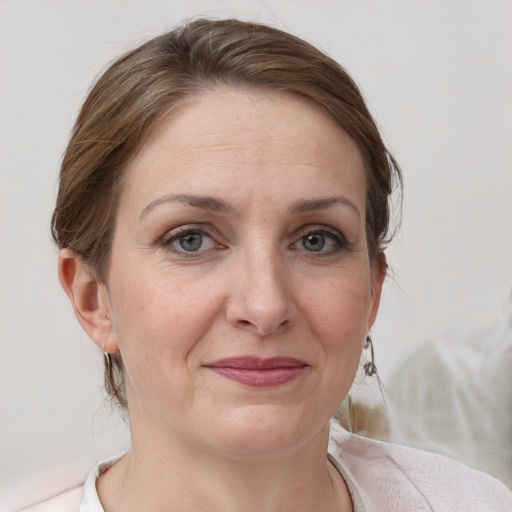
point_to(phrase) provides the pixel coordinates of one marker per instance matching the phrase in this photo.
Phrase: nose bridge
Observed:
(262, 298)
(267, 276)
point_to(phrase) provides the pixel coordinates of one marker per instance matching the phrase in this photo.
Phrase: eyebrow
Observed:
(218, 205)
(204, 202)
(310, 205)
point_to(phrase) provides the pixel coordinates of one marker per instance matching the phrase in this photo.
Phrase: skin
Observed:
(281, 269)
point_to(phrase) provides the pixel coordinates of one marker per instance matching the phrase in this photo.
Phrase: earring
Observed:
(369, 368)
(108, 362)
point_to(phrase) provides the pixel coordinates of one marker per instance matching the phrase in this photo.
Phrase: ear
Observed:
(89, 299)
(378, 275)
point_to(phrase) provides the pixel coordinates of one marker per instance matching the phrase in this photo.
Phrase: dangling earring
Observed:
(369, 368)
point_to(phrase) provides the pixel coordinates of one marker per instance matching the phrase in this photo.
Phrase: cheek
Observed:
(340, 311)
(160, 330)
(338, 318)
(159, 321)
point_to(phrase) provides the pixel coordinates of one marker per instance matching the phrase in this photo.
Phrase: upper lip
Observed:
(256, 363)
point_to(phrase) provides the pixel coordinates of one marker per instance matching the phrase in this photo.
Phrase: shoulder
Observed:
(80, 499)
(399, 479)
(68, 501)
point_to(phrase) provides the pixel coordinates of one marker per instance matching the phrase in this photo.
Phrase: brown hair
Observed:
(141, 87)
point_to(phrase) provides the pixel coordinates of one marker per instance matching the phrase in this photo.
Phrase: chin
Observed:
(263, 434)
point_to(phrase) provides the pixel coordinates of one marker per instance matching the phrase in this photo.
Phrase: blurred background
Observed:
(437, 77)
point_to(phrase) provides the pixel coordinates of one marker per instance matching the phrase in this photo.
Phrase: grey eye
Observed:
(313, 242)
(191, 241)
(188, 241)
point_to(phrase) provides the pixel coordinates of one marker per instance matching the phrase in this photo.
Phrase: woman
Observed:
(222, 216)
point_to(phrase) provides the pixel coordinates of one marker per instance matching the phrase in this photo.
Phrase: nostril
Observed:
(259, 313)
(245, 324)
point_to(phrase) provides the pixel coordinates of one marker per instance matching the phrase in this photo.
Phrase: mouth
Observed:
(258, 372)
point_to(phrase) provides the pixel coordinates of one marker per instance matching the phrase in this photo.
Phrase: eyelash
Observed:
(333, 234)
(174, 235)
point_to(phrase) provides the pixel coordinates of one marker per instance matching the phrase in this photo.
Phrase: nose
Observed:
(261, 298)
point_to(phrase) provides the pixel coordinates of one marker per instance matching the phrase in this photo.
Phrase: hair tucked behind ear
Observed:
(114, 378)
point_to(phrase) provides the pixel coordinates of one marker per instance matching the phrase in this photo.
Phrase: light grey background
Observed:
(438, 78)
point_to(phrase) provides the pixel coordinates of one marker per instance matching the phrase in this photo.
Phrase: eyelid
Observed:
(208, 230)
(174, 234)
(333, 233)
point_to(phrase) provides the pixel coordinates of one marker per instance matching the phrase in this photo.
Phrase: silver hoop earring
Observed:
(108, 362)
(369, 368)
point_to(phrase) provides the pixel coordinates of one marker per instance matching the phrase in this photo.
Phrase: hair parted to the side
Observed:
(144, 85)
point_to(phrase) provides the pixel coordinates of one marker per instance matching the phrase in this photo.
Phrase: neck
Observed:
(159, 476)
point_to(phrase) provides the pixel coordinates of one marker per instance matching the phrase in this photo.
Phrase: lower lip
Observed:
(261, 377)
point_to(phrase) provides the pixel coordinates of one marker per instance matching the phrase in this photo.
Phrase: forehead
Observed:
(238, 115)
(240, 135)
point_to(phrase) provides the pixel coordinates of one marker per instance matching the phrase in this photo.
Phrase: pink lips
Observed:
(257, 372)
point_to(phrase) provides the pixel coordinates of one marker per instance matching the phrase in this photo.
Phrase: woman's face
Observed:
(240, 287)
